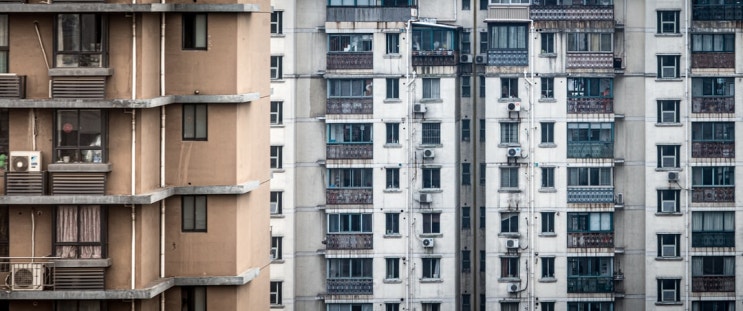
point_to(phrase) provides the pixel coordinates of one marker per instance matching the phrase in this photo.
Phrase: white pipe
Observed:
(41, 44)
(33, 235)
(162, 154)
(532, 182)
(409, 194)
(33, 129)
(687, 170)
(134, 155)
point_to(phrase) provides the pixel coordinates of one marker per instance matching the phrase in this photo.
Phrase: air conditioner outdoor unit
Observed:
(27, 276)
(420, 108)
(512, 243)
(425, 198)
(25, 161)
(673, 176)
(514, 152)
(513, 287)
(481, 59)
(427, 242)
(515, 106)
(619, 199)
(429, 153)
(465, 58)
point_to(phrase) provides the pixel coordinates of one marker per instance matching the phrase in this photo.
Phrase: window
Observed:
(713, 176)
(483, 4)
(80, 231)
(393, 268)
(194, 31)
(509, 222)
(548, 88)
(668, 290)
(277, 246)
(277, 112)
(589, 42)
(431, 88)
(590, 275)
(392, 178)
(668, 245)
(193, 298)
(509, 87)
(669, 201)
(391, 306)
(393, 43)
(350, 88)
(509, 267)
(465, 41)
(668, 66)
(392, 133)
(466, 217)
(509, 133)
(708, 305)
(431, 222)
(276, 202)
(591, 222)
(482, 130)
(483, 258)
(194, 122)
(509, 177)
(276, 67)
(466, 130)
(80, 40)
(431, 134)
(509, 306)
(548, 42)
(466, 261)
(466, 302)
(712, 266)
(589, 176)
(349, 133)
(713, 87)
(668, 21)
(431, 306)
(712, 131)
(713, 42)
(350, 43)
(548, 132)
(350, 268)
(483, 42)
(483, 171)
(277, 22)
(548, 222)
(276, 157)
(392, 223)
(668, 111)
(591, 305)
(4, 43)
(466, 86)
(466, 174)
(433, 39)
(349, 306)
(713, 229)
(275, 293)
(193, 213)
(465, 5)
(80, 135)
(350, 178)
(548, 267)
(590, 140)
(590, 87)
(73, 305)
(349, 223)
(431, 268)
(547, 306)
(482, 217)
(548, 177)
(508, 36)
(431, 178)
(482, 86)
(393, 88)
(668, 156)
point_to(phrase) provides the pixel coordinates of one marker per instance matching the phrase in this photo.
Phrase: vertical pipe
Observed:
(408, 201)
(531, 136)
(687, 170)
(134, 157)
(162, 154)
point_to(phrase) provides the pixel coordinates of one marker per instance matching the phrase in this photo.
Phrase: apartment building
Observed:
(505, 155)
(130, 147)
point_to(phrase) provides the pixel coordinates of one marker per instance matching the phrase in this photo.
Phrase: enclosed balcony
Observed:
(713, 95)
(349, 186)
(712, 194)
(350, 276)
(703, 10)
(713, 149)
(713, 184)
(591, 284)
(713, 284)
(550, 10)
(350, 61)
(435, 45)
(350, 96)
(713, 139)
(590, 194)
(349, 241)
(370, 10)
(361, 286)
(590, 275)
(350, 51)
(591, 239)
(12, 86)
(590, 140)
(713, 273)
(713, 239)
(590, 61)
(712, 60)
(349, 141)
(590, 95)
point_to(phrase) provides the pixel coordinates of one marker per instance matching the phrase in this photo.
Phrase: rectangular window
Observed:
(548, 42)
(548, 177)
(508, 36)
(668, 21)
(276, 204)
(431, 268)
(482, 130)
(349, 133)
(391, 306)
(509, 177)
(392, 223)
(509, 87)
(393, 88)
(482, 86)
(277, 247)
(482, 217)
(393, 43)
(712, 266)
(195, 121)
(483, 258)
(276, 67)
(466, 302)
(466, 218)
(465, 5)
(590, 87)
(349, 306)
(668, 111)
(713, 87)
(668, 290)
(350, 223)
(548, 88)
(713, 229)
(589, 42)
(466, 261)
(466, 174)
(361, 178)
(668, 156)
(194, 31)
(483, 170)
(548, 222)
(709, 305)
(277, 157)
(465, 42)
(80, 135)
(669, 201)
(509, 222)
(193, 298)
(392, 133)
(72, 305)
(591, 305)
(80, 231)
(712, 132)
(392, 268)
(669, 245)
(548, 267)
(466, 130)
(713, 176)
(509, 133)
(431, 134)
(193, 213)
(589, 267)
(4, 46)
(431, 178)
(277, 112)
(275, 293)
(509, 306)
(483, 4)
(548, 132)
(431, 306)
(484, 42)
(431, 88)
(392, 178)
(349, 268)
(277, 22)
(547, 305)
(668, 66)
(350, 43)
(466, 86)
(713, 42)
(589, 176)
(431, 222)
(591, 222)
(80, 40)
(509, 267)
(350, 88)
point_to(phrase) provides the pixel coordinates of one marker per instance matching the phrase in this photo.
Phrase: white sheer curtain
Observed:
(67, 231)
(90, 231)
(75, 225)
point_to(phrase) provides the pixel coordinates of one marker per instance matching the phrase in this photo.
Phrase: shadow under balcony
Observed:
(590, 194)
(359, 286)
(349, 241)
(579, 105)
(350, 105)
(713, 104)
(349, 151)
(435, 58)
(713, 239)
(713, 283)
(350, 60)
(368, 14)
(12, 86)
(599, 150)
(349, 196)
(712, 194)
(591, 284)
(591, 239)
(713, 149)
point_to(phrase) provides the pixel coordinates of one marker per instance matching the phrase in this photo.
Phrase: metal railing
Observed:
(590, 239)
(350, 241)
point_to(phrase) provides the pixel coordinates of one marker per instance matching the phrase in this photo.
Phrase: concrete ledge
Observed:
(80, 167)
(128, 103)
(77, 72)
(82, 263)
(120, 7)
(241, 279)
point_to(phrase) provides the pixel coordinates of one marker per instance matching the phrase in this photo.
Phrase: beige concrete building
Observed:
(134, 144)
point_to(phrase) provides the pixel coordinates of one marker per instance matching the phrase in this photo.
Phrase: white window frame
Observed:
(275, 293)
(431, 88)
(276, 157)
(434, 268)
(666, 115)
(666, 18)
(668, 66)
(429, 219)
(392, 268)
(277, 65)
(277, 22)
(509, 132)
(276, 198)
(665, 248)
(590, 42)
(277, 112)
(509, 178)
(668, 156)
(669, 290)
(668, 205)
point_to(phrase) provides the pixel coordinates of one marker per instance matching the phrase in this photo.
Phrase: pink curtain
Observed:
(88, 218)
(67, 230)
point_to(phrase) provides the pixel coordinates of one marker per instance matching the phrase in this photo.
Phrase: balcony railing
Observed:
(713, 284)
(590, 194)
(713, 104)
(578, 105)
(508, 58)
(713, 149)
(11, 85)
(591, 239)
(591, 284)
(349, 196)
(350, 286)
(353, 105)
(572, 12)
(712, 60)
(590, 61)
(590, 149)
(45, 275)
(508, 12)
(364, 60)
(712, 194)
(717, 12)
(713, 239)
(350, 151)
(350, 241)
(368, 14)
(435, 58)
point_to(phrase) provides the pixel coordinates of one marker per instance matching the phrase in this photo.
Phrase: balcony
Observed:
(590, 150)
(576, 12)
(508, 12)
(435, 58)
(717, 12)
(712, 60)
(350, 241)
(590, 61)
(713, 284)
(64, 179)
(360, 60)
(350, 286)
(713, 104)
(369, 14)
(713, 239)
(591, 284)
(349, 151)
(591, 239)
(713, 149)
(351, 105)
(590, 194)
(12, 86)
(45, 274)
(349, 196)
(712, 194)
(508, 58)
(581, 105)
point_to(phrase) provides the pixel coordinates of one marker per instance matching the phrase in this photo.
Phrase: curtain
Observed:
(79, 225)
(697, 263)
(728, 266)
(90, 231)
(67, 231)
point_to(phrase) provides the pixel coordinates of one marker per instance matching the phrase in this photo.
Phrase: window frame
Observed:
(431, 223)
(668, 62)
(276, 157)
(466, 129)
(392, 43)
(275, 292)
(583, 222)
(344, 43)
(669, 286)
(190, 30)
(466, 221)
(720, 176)
(509, 222)
(547, 86)
(466, 261)
(431, 133)
(509, 87)
(517, 37)
(666, 19)
(392, 133)
(713, 131)
(392, 178)
(431, 178)
(431, 88)
(669, 109)
(466, 174)
(586, 177)
(547, 131)
(276, 201)
(392, 268)
(277, 22)
(199, 115)
(509, 177)
(188, 297)
(720, 223)
(509, 267)
(195, 203)
(350, 88)
(547, 42)
(668, 242)
(548, 222)
(337, 179)
(431, 268)
(509, 132)
(668, 156)
(667, 197)
(277, 67)
(548, 177)
(84, 151)
(349, 268)
(726, 39)
(466, 86)
(548, 267)
(392, 223)
(466, 5)
(349, 223)
(277, 243)
(392, 90)
(590, 42)
(277, 112)
(64, 248)
(79, 54)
